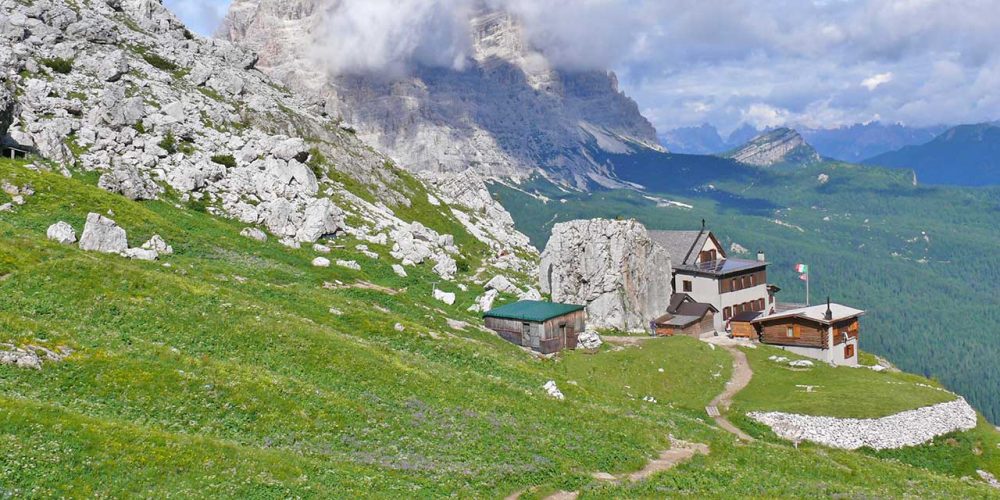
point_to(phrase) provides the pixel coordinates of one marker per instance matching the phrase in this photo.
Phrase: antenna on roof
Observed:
(703, 224)
(829, 312)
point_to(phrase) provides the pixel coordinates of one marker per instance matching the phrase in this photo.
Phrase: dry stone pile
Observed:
(908, 428)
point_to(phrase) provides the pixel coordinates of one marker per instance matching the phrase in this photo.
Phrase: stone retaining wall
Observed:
(908, 428)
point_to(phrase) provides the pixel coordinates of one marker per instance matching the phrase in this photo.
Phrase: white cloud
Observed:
(201, 16)
(872, 82)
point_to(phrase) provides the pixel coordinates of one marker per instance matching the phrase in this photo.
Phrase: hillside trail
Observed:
(742, 373)
(680, 451)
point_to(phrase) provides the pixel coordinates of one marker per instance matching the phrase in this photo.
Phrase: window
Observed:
(761, 305)
(727, 313)
(750, 278)
(743, 282)
(525, 329)
(848, 351)
(688, 286)
(790, 332)
(733, 285)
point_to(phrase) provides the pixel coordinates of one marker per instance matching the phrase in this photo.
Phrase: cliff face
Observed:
(779, 146)
(611, 266)
(508, 113)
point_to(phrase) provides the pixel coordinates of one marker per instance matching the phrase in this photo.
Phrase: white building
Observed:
(702, 270)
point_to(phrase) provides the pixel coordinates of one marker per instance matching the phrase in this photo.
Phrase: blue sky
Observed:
(763, 62)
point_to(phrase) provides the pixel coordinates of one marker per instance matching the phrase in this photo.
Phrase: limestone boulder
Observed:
(102, 234)
(610, 266)
(61, 232)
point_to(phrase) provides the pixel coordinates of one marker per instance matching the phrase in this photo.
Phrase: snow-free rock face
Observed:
(611, 266)
(908, 428)
(443, 119)
(61, 232)
(7, 105)
(779, 146)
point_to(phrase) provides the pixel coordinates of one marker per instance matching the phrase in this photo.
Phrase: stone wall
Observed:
(908, 428)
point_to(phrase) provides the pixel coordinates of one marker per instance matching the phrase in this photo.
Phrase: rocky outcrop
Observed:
(441, 119)
(909, 428)
(7, 106)
(611, 266)
(102, 234)
(779, 146)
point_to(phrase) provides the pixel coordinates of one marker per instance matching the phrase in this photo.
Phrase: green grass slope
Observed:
(227, 375)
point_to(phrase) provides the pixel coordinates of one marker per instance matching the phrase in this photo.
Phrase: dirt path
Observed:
(739, 380)
(680, 451)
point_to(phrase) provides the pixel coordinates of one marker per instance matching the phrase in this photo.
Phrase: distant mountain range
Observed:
(966, 155)
(852, 144)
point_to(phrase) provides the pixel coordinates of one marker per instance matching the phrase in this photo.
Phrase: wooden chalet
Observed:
(686, 316)
(546, 327)
(741, 326)
(827, 332)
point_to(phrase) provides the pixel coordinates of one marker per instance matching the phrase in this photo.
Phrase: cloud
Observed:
(201, 16)
(693, 61)
(872, 82)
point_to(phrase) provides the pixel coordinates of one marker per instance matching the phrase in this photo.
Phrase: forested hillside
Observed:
(967, 155)
(919, 259)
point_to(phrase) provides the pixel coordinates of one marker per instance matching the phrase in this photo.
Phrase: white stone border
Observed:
(908, 428)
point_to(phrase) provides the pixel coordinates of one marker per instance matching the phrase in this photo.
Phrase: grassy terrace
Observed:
(836, 392)
(226, 375)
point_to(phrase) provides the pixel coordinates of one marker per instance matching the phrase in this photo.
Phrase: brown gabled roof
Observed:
(680, 244)
(683, 311)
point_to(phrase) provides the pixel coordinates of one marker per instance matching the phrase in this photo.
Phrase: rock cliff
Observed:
(121, 89)
(507, 113)
(611, 266)
(779, 146)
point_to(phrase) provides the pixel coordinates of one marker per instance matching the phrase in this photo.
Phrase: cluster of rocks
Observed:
(150, 106)
(589, 340)
(101, 234)
(502, 284)
(908, 428)
(18, 195)
(553, 391)
(611, 266)
(31, 356)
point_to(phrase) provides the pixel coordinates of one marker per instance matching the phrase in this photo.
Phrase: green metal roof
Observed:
(532, 310)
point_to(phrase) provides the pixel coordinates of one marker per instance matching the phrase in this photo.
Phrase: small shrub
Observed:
(139, 127)
(59, 65)
(225, 160)
(169, 143)
(158, 62)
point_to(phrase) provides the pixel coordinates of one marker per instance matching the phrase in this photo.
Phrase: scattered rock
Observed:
(157, 244)
(349, 264)
(321, 262)
(61, 232)
(31, 356)
(989, 478)
(485, 301)
(336, 312)
(102, 234)
(553, 391)
(398, 269)
(399, 327)
(321, 248)
(801, 363)
(502, 284)
(589, 340)
(823, 178)
(443, 296)
(140, 254)
(254, 234)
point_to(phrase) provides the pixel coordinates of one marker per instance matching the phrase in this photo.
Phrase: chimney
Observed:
(760, 256)
(703, 224)
(829, 312)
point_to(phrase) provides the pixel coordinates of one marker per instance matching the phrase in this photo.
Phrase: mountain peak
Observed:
(781, 146)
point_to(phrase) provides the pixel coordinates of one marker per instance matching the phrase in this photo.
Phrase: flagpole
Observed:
(807, 289)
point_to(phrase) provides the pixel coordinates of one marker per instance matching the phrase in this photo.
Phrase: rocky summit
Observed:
(122, 89)
(782, 146)
(508, 112)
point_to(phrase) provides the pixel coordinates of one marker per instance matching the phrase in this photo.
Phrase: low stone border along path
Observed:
(908, 428)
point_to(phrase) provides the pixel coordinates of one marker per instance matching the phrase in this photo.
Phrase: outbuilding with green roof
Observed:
(546, 327)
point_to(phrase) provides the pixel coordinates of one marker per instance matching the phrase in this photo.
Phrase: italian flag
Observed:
(801, 268)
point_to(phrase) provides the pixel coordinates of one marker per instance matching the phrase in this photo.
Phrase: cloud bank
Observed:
(687, 62)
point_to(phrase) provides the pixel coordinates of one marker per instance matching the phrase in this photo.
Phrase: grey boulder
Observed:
(102, 234)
